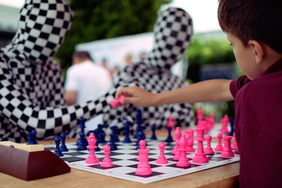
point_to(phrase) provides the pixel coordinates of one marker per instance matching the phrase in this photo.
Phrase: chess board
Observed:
(125, 163)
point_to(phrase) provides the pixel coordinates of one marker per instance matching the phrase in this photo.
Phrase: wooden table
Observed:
(224, 176)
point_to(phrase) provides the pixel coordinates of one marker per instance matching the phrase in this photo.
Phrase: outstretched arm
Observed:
(206, 91)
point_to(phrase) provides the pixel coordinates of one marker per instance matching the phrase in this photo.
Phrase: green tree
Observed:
(102, 19)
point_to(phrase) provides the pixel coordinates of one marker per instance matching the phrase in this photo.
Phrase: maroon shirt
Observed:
(258, 127)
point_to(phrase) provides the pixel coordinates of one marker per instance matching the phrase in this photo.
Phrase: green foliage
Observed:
(102, 19)
(210, 51)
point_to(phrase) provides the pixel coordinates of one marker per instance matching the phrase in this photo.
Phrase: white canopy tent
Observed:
(114, 50)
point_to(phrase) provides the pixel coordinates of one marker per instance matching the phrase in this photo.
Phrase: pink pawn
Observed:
(107, 163)
(209, 150)
(143, 168)
(170, 122)
(224, 124)
(212, 120)
(177, 153)
(183, 160)
(227, 150)
(234, 145)
(219, 146)
(190, 140)
(91, 146)
(177, 135)
(114, 103)
(162, 159)
(200, 156)
(200, 116)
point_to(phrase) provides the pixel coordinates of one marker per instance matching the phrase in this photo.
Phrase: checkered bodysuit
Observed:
(31, 85)
(172, 35)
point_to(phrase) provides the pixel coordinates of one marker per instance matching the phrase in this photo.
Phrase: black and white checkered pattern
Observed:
(31, 85)
(172, 32)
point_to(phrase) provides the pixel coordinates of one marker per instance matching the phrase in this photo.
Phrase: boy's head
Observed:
(259, 20)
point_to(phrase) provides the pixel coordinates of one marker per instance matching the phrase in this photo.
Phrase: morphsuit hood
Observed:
(42, 28)
(172, 32)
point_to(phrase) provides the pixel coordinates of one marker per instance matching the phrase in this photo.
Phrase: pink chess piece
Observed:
(143, 168)
(114, 103)
(190, 140)
(200, 115)
(177, 153)
(224, 124)
(183, 160)
(227, 150)
(177, 135)
(200, 156)
(212, 120)
(235, 145)
(107, 163)
(170, 122)
(91, 146)
(209, 150)
(162, 159)
(219, 146)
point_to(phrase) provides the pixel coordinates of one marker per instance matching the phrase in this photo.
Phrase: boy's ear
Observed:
(258, 50)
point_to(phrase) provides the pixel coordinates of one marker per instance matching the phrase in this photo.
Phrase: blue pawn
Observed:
(102, 134)
(82, 133)
(169, 137)
(126, 133)
(32, 138)
(138, 122)
(140, 137)
(80, 143)
(58, 151)
(112, 142)
(63, 145)
(153, 137)
(97, 136)
(115, 134)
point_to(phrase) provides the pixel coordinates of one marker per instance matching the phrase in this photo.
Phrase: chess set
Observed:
(125, 160)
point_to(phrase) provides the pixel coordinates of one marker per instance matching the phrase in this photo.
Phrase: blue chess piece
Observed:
(138, 122)
(63, 145)
(232, 122)
(97, 136)
(80, 143)
(58, 151)
(115, 134)
(102, 134)
(32, 138)
(153, 137)
(82, 140)
(126, 132)
(169, 137)
(112, 142)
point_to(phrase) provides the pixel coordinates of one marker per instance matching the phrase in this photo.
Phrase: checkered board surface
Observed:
(125, 163)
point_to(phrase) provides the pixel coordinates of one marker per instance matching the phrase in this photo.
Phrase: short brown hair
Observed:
(259, 20)
(82, 55)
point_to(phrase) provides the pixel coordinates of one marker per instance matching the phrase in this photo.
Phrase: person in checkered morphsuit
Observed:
(31, 92)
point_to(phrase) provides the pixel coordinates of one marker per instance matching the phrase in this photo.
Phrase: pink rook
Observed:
(114, 103)
(227, 150)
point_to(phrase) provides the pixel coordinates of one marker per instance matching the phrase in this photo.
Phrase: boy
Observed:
(254, 29)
